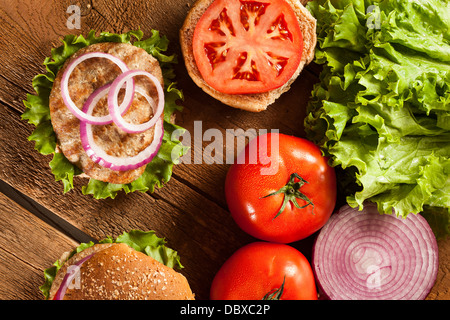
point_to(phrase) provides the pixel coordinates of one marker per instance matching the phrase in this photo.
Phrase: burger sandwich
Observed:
(135, 266)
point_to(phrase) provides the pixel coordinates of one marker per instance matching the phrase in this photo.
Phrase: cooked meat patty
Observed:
(85, 79)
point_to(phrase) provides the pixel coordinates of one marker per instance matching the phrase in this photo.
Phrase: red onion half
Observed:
(363, 255)
(72, 271)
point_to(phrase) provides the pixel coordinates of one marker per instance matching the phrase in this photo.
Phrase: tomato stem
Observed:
(292, 192)
(275, 294)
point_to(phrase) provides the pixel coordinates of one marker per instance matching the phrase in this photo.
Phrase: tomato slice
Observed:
(246, 47)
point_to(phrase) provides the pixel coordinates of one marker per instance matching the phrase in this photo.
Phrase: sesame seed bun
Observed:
(249, 102)
(118, 272)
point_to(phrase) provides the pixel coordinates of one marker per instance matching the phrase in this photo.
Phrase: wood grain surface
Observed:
(190, 211)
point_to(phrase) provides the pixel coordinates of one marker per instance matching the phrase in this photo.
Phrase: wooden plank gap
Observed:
(14, 84)
(10, 107)
(13, 254)
(199, 191)
(44, 214)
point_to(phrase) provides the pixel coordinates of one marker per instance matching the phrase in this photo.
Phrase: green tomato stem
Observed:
(275, 294)
(291, 193)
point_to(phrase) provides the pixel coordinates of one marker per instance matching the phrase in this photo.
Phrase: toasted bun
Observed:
(250, 102)
(118, 272)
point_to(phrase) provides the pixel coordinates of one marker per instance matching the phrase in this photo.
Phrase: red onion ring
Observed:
(98, 155)
(363, 255)
(82, 116)
(115, 111)
(86, 118)
(68, 278)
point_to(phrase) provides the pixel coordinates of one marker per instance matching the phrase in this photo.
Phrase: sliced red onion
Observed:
(97, 95)
(98, 155)
(114, 108)
(363, 255)
(82, 116)
(72, 271)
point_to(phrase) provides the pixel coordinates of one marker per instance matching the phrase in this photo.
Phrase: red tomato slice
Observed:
(245, 47)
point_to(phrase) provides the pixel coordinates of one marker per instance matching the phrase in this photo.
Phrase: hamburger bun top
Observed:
(84, 80)
(118, 272)
(249, 102)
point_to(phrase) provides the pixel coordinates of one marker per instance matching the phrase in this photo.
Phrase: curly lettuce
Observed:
(37, 112)
(142, 241)
(381, 111)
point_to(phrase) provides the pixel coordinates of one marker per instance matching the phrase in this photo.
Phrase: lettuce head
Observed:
(381, 110)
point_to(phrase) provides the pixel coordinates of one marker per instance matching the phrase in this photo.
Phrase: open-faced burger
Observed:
(105, 151)
(103, 108)
(246, 53)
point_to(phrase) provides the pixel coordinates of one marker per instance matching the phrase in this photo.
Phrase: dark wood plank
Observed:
(43, 213)
(441, 289)
(28, 246)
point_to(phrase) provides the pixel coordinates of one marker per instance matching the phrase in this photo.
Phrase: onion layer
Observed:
(363, 255)
(114, 108)
(98, 155)
(96, 96)
(72, 271)
(82, 116)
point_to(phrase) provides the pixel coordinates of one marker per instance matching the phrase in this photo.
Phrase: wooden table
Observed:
(38, 222)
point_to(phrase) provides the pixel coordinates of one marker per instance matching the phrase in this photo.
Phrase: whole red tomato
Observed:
(264, 270)
(281, 188)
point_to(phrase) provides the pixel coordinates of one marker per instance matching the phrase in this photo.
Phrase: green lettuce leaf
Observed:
(142, 241)
(381, 110)
(37, 112)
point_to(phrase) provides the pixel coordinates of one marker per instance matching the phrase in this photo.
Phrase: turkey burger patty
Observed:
(89, 76)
